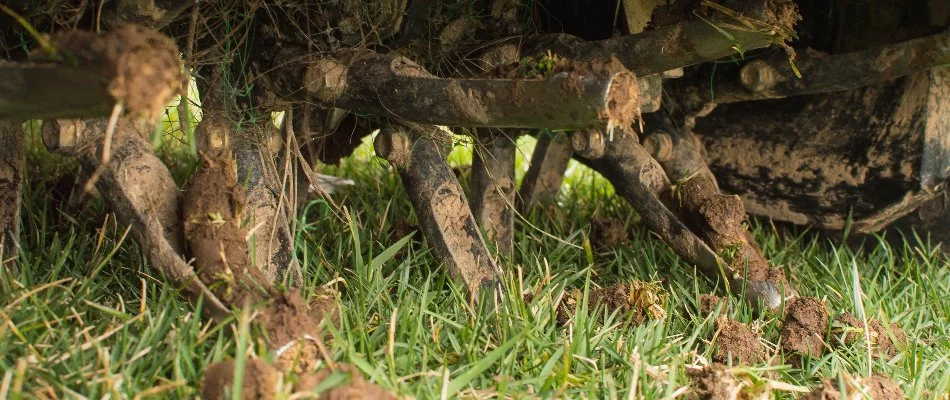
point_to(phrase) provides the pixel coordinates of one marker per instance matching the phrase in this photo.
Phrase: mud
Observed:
(803, 331)
(623, 96)
(325, 306)
(877, 387)
(213, 208)
(738, 343)
(717, 219)
(636, 301)
(142, 66)
(849, 330)
(288, 318)
(260, 380)
(608, 233)
(355, 387)
(814, 159)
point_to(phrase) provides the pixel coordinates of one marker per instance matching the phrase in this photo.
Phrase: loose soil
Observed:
(142, 66)
(850, 330)
(717, 219)
(803, 330)
(737, 342)
(262, 381)
(877, 387)
(259, 381)
(708, 303)
(608, 233)
(714, 382)
(353, 388)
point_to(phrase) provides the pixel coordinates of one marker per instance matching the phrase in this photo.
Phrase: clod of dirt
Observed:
(714, 382)
(143, 66)
(324, 306)
(259, 381)
(353, 387)
(850, 330)
(803, 330)
(289, 322)
(638, 300)
(877, 387)
(708, 303)
(608, 233)
(212, 206)
(737, 342)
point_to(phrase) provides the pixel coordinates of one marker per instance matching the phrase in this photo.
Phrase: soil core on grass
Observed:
(803, 330)
(713, 382)
(352, 387)
(738, 343)
(708, 303)
(877, 387)
(259, 380)
(850, 330)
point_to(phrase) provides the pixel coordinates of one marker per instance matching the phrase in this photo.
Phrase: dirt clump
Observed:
(264, 381)
(142, 66)
(877, 387)
(718, 218)
(212, 206)
(260, 380)
(803, 330)
(708, 303)
(737, 342)
(324, 306)
(636, 300)
(608, 233)
(714, 382)
(354, 387)
(850, 330)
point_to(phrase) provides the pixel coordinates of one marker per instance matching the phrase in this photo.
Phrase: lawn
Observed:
(86, 317)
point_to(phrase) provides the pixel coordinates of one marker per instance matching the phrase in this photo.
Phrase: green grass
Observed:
(87, 317)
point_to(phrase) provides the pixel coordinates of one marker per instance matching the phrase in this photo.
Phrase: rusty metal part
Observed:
(773, 77)
(43, 91)
(132, 66)
(493, 187)
(542, 182)
(440, 204)
(858, 167)
(657, 50)
(395, 86)
(268, 210)
(640, 180)
(12, 168)
(651, 93)
(676, 148)
(935, 164)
